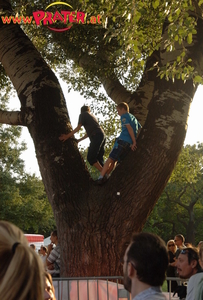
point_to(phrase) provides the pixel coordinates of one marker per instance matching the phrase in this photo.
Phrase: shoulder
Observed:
(152, 293)
(84, 114)
(54, 253)
(133, 118)
(57, 248)
(194, 285)
(196, 278)
(125, 118)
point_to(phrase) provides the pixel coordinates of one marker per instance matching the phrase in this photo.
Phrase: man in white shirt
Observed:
(179, 241)
(188, 267)
(53, 256)
(144, 267)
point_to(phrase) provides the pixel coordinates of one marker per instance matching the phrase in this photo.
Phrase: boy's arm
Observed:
(131, 133)
(64, 137)
(82, 138)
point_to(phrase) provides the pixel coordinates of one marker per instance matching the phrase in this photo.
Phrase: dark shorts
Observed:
(120, 150)
(96, 148)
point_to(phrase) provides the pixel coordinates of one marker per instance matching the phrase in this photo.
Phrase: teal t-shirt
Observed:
(133, 122)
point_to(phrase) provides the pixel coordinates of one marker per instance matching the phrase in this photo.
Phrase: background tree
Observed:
(149, 38)
(182, 195)
(23, 200)
(34, 213)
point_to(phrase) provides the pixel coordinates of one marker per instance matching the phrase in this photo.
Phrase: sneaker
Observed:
(102, 180)
(99, 181)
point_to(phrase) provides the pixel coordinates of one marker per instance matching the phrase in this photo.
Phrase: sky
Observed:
(74, 102)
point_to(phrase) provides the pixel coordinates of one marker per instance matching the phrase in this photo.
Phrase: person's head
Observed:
(85, 108)
(43, 250)
(171, 246)
(179, 240)
(122, 108)
(54, 237)
(20, 266)
(33, 246)
(146, 259)
(49, 292)
(188, 262)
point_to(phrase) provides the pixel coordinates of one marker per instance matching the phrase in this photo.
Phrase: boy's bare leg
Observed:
(111, 167)
(98, 166)
(106, 166)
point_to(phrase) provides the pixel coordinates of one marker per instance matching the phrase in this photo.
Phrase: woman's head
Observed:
(171, 246)
(21, 271)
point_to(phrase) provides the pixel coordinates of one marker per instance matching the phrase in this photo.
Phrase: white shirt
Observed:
(152, 293)
(192, 287)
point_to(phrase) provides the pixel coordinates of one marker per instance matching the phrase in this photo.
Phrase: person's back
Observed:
(96, 135)
(90, 123)
(128, 118)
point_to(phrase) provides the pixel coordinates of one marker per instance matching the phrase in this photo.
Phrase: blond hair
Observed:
(21, 271)
(48, 276)
(201, 252)
(171, 241)
(123, 105)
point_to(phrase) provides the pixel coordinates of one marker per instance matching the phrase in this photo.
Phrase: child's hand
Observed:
(133, 146)
(63, 137)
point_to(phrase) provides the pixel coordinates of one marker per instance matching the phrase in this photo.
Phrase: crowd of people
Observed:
(50, 255)
(122, 145)
(147, 261)
(186, 262)
(26, 274)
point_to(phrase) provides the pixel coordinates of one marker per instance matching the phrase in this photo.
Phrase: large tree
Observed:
(148, 38)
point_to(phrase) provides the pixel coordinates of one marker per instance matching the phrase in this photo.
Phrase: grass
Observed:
(164, 286)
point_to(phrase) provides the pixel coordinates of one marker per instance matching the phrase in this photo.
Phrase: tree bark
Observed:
(95, 223)
(10, 117)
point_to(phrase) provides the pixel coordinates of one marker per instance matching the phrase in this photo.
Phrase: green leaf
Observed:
(198, 79)
(155, 4)
(189, 38)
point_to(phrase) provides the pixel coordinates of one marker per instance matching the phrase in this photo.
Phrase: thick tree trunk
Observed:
(94, 223)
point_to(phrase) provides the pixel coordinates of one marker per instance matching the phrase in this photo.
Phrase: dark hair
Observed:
(180, 237)
(33, 246)
(54, 233)
(192, 254)
(149, 256)
(84, 108)
(44, 248)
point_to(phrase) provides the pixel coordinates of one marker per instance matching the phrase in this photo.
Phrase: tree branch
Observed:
(181, 220)
(139, 100)
(11, 117)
